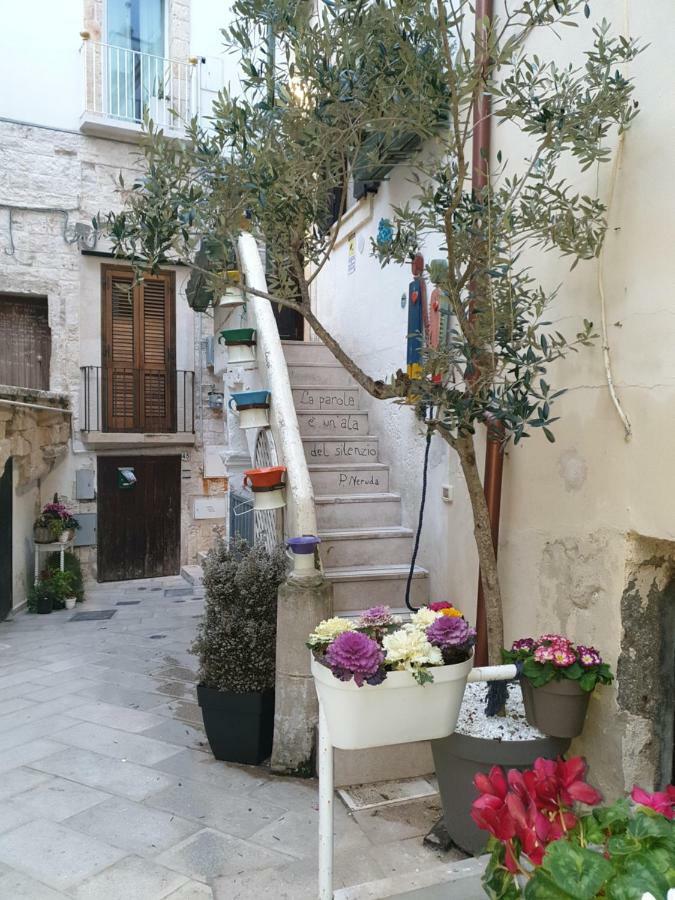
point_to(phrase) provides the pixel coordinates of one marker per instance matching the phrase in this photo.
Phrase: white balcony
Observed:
(121, 85)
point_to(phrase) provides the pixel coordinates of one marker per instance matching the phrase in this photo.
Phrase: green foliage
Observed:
(588, 678)
(53, 585)
(236, 639)
(73, 566)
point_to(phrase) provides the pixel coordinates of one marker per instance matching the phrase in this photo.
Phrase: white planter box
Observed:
(398, 711)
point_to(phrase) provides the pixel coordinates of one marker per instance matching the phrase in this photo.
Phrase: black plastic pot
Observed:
(557, 708)
(44, 605)
(458, 757)
(239, 727)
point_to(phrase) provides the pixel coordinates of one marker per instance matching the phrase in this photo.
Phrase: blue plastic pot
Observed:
(247, 399)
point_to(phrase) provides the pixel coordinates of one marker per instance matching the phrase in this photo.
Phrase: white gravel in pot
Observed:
(513, 727)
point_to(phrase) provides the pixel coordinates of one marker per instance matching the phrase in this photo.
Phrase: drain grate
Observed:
(127, 603)
(93, 615)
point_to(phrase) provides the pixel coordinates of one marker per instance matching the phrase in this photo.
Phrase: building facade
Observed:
(125, 365)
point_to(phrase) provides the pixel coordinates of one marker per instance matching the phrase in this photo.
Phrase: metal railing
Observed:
(121, 393)
(124, 84)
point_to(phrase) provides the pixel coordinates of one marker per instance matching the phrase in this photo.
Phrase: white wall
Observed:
(567, 508)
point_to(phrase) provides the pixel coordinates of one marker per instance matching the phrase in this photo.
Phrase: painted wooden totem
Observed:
(418, 317)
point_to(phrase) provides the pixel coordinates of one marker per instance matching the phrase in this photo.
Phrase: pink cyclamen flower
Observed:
(523, 644)
(555, 639)
(450, 631)
(543, 654)
(353, 654)
(660, 801)
(589, 656)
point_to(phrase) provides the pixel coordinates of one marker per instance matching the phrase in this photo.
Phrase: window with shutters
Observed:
(25, 342)
(139, 351)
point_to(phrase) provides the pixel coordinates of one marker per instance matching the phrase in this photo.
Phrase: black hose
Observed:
(419, 524)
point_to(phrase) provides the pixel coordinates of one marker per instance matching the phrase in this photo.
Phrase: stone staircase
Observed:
(365, 549)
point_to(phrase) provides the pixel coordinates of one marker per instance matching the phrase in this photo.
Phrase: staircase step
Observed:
(349, 478)
(359, 587)
(307, 353)
(319, 374)
(341, 449)
(357, 510)
(333, 424)
(365, 547)
(310, 398)
(192, 574)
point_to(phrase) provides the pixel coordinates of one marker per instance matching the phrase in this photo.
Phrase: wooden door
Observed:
(6, 540)
(139, 351)
(25, 342)
(138, 526)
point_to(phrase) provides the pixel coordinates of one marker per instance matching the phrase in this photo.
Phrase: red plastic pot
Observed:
(265, 479)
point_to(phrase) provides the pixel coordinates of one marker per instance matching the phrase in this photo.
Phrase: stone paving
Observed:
(107, 786)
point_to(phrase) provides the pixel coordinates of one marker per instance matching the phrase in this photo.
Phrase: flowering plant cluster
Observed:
(378, 642)
(543, 848)
(553, 656)
(57, 517)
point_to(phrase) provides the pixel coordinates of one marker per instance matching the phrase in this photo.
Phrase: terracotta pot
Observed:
(265, 479)
(458, 757)
(557, 708)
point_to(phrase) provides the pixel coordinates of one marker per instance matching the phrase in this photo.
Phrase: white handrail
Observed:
(274, 372)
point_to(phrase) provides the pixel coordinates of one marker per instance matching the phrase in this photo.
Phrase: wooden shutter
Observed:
(138, 352)
(25, 342)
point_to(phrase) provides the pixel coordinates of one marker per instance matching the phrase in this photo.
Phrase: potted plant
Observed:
(236, 645)
(62, 585)
(55, 523)
(72, 565)
(44, 595)
(557, 681)
(543, 848)
(383, 682)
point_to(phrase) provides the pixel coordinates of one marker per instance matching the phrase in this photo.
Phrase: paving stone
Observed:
(57, 799)
(192, 890)
(181, 690)
(124, 778)
(208, 805)
(26, 754)
(47, 727)
(11, 815)
(12, 705)
(173, 731)
(181, 709)
(297, 833)
(292, 793)
(93, 615)
(19, 780)
(209, 854)
(131, 826)
(54, 854)
(116, 716)
(400, 821)
(118, 744)
(176, 673)
(17, 886)
(133, 879)
(201, 766)
(128, 697)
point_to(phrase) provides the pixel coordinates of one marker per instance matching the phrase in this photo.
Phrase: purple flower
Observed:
(375, 617)
(447, 632)
(353, 654)
(527, 644)
(588, 656)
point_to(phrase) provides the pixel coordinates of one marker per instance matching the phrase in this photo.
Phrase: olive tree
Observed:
(325, 96)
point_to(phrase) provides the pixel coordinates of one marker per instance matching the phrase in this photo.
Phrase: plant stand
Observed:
(53, 547)
(326, 781)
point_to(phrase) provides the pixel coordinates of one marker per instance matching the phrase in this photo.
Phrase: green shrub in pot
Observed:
(236, 646)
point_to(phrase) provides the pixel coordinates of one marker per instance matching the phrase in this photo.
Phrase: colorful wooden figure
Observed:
(418, 317)
(439, 309)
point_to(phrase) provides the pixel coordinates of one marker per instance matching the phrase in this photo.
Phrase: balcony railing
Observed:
(121, 84)
(120, 400)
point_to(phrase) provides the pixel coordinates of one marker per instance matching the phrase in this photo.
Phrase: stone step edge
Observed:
(341, 467)
(373, 573)
(408, 884)
(324, 387)
(329, 499)
(339, 437)
(193, 574)
(366, 534)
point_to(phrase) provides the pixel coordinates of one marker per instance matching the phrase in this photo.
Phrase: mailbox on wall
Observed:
(126, 477)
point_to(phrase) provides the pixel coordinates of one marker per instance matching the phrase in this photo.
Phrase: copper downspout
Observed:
(494, 458)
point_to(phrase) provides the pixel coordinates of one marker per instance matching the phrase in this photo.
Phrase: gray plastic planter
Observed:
(458, 757)
(557, 708)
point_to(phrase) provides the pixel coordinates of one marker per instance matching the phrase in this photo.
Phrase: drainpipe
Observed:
(494, 458)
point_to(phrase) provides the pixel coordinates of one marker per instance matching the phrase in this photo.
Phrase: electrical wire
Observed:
(420, 522)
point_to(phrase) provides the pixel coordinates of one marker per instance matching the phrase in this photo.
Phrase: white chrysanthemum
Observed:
(409, 647)
(328, 630)
(423, 618)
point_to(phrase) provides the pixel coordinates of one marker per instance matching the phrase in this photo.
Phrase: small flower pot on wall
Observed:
(558, 708)
(397, 711)
(252, 407)
(301, 552)
(240, 344)
(239, 727)
(70, 602)
(267, 485)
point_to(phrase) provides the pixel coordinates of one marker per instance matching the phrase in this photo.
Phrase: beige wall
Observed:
(569, 509)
